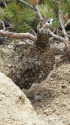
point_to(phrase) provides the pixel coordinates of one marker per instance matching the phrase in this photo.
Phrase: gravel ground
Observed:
(54, 108)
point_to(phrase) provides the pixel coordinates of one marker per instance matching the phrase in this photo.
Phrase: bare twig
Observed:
(17, 35)
(62, 22)
(33, 32)
(62, 32)
(38, 11)
(55, 36)
(32, 7)
(57, 51)
(51, 38)
(5, 4)
(67, 23)
(67, 43)
(2, 24)
(59, 32)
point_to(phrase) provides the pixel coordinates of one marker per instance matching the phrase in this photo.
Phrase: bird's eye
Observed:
(48, 21)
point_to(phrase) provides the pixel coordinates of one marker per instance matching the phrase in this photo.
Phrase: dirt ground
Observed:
(54, 108)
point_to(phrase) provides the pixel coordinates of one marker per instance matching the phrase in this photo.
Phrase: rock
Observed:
(15, 108)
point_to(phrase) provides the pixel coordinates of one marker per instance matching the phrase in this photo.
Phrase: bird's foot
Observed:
(35, 97)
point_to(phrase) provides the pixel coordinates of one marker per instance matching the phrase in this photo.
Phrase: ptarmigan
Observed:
(37, 63)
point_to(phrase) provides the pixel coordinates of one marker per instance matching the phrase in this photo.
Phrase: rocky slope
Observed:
(15, 108)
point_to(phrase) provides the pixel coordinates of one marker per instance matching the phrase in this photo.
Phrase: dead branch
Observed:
(17, 35)
(67, 43)
(67, 23)
(32, 7)
(2, 24)
(5, 4)
(62, 22)
(57, 51)
(33, 32)
(38, 11)
(62, 32)
(55, 36)
(52, 38)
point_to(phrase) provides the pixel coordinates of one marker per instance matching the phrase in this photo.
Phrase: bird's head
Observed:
(42, 33)
(49, 23)
(45, 23)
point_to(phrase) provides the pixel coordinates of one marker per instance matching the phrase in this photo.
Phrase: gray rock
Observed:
(15, 108)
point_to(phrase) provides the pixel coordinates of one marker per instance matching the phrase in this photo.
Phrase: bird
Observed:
(37, 63)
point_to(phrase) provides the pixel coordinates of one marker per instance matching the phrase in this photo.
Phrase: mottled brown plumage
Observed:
(37, 63)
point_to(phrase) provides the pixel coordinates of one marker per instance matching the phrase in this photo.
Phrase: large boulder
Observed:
(15, 108)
